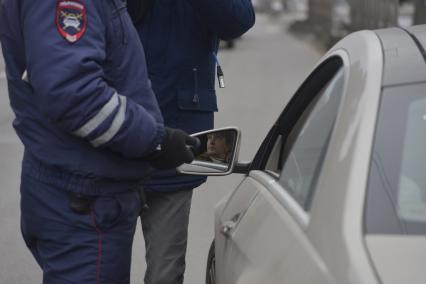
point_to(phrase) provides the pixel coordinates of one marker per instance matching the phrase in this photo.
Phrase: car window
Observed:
(396, 198)
(305, 147)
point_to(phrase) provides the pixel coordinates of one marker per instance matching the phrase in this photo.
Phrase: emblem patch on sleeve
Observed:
(71, 19)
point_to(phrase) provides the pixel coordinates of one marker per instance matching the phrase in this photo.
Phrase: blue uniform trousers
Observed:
(79, 248)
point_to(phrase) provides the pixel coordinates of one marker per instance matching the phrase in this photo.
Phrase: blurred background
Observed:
(330, 20)
(262, 70)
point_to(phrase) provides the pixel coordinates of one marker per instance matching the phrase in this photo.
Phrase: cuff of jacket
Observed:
(161, 132)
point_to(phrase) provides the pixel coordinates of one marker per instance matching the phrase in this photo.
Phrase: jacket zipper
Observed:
(195, 98)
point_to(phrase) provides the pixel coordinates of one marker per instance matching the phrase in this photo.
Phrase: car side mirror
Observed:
(217, 153)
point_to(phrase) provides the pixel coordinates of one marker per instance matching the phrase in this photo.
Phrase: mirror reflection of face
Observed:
(217, 146)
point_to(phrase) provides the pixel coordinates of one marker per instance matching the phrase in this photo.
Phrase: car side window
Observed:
(303, 151)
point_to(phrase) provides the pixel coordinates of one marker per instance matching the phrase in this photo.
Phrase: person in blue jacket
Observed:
(92, 129)
(181, 39)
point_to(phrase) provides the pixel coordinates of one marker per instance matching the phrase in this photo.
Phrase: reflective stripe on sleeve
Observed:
(97, 120)
(115, 125)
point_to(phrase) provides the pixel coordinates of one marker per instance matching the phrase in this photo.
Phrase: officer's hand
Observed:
(175, 150)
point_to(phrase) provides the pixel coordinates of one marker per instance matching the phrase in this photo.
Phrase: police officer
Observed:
(181, 39)
(91, 126)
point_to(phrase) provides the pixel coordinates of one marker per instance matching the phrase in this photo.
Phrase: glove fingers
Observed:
(177, 148)
(192, 141)
(189, 156)
(194, 144)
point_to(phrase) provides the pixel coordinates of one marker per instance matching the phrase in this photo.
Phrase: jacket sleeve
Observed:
(69, 86)
(228, 19)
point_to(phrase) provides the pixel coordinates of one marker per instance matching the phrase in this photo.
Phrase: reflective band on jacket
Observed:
(97, 120)
(115, 126)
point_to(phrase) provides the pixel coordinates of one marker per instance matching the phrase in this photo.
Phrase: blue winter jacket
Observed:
(181, 38)
(78, 85)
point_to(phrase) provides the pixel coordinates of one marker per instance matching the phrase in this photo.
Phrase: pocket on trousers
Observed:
(121, 209)
(107, 211)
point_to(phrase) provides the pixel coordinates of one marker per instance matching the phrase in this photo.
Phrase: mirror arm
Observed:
(241, 168)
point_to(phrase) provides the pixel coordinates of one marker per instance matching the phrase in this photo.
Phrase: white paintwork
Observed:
(237, 203)
(399, 259)
(268, 246)
(336, 228)
(282, 197)
(276, 225)
(275, 241)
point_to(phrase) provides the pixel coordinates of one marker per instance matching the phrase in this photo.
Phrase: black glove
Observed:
(176, 149)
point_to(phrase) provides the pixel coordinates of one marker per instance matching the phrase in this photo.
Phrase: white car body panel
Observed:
(258, 259)
(237, 203)
(312, 249)
(397, 258)
(263, 234)
(336, 229)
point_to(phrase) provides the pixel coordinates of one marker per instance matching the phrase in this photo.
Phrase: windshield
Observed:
(396, 199)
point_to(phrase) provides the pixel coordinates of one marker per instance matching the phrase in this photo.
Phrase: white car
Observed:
(337, 191)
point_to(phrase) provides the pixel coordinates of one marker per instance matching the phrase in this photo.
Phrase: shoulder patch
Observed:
(71, 19)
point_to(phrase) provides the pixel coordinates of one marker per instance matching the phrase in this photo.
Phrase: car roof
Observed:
(404, 55)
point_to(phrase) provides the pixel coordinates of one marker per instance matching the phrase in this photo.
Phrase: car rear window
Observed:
(396, 198)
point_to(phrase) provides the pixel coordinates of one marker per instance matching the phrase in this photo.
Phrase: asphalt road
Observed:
(261, 73)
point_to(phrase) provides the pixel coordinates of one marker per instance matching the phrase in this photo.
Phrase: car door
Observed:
(261, 231)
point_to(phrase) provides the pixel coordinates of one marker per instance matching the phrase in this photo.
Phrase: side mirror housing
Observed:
(217, 154)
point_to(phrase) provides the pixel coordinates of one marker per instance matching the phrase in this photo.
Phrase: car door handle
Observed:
(227, 227)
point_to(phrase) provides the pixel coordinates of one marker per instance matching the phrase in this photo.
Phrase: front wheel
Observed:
(211, 266)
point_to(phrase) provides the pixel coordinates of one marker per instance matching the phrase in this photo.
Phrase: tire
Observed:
(211, 266)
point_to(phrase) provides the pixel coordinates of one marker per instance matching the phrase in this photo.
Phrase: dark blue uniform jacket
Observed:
(181, 39)
(78, 85)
